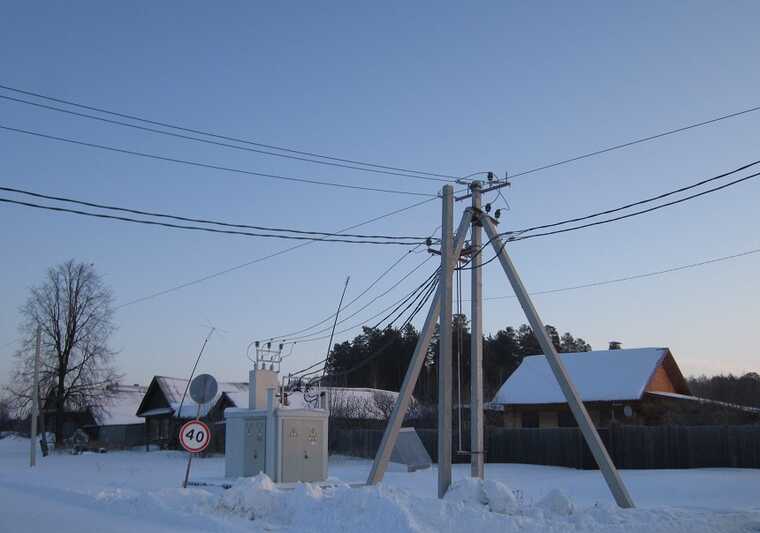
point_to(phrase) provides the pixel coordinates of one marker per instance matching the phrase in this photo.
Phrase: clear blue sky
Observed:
(501, 86)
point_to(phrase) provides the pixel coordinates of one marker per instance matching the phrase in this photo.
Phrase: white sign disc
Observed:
(194, 436)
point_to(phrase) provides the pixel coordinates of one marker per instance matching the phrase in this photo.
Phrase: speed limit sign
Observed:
(194, 436)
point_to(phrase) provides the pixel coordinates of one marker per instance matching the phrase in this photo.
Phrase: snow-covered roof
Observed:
(686, 397)
(598, 376)
(360, 400)
(174, 388)
(122, 406)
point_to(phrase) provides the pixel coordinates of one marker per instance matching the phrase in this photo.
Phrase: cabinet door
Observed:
(311, 445)
(257, 446)
(292, 453)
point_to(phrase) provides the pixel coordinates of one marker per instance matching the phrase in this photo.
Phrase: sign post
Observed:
(194, 435)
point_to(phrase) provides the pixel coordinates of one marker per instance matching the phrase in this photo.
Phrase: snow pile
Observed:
(556, 502)
(495, 495)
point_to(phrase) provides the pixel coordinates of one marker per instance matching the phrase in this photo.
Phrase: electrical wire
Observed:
(634, 142)
(217, 143)
(635, 213)
(310, 338)
(358, 297)
(266, 257)
(636, 276)
(200, 220)
(640, 202)
(219, 136)
(201, 228)
(213, 167)
(513, 236)
(364, 362)
(396, 304)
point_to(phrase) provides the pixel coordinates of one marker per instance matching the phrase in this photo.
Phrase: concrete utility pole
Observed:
(401, 406)
(476, 340)
(595, 444)
(444, 343)
(35, 400)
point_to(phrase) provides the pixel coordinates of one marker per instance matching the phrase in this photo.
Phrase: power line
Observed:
(636, 213)
(309, 337)
(200, 220)
(382, 349)
(213, 167)
(634, 142)
(265, 257)
(202, 228)
(513, 236)
(224, 137)
(359, 296)
(217, 143)
(636, 276)
(640, 202)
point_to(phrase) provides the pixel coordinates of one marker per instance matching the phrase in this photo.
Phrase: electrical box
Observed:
(245, 443)
(289, 445)
(303, 452)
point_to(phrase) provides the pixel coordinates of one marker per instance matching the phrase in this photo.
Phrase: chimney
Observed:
(616, 345)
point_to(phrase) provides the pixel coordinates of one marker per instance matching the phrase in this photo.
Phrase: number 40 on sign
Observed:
(194, 436)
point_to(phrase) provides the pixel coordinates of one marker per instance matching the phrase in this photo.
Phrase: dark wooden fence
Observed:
(629, 446)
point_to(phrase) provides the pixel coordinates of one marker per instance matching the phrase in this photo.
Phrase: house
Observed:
(165, 406)
(117, 425)
(629, 386)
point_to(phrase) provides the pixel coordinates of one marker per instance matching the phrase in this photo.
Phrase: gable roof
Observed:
(122, 405)
(608, 375)
(172, 389)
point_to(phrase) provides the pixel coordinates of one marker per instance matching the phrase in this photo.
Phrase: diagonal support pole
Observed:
(595, 444)
(413, 372)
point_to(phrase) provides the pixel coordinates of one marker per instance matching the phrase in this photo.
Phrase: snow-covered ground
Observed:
(139, 492)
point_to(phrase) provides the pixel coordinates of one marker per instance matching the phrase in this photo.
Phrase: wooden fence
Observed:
(629, 446)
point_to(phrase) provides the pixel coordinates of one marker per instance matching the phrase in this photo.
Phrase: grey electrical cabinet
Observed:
(245, 443)
(304, 447)
(289, 445)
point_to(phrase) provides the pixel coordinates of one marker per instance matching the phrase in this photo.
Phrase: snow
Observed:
(122, 407)
(174, 388)
(598, 376)
(138, 491)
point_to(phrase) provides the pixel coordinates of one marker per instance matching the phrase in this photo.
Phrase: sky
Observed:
(442, 87)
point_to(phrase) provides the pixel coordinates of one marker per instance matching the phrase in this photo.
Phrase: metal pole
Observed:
(35, 400)
(476, 341)
(412, 373)
(595, 444)
(335, 323)
(444, 343)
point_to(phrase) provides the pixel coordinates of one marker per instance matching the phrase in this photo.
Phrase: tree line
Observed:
(378, 358)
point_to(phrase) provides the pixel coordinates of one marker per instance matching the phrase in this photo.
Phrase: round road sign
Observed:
(203, 388)
(194, 436)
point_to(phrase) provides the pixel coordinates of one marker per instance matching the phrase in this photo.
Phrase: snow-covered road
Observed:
(139, 492)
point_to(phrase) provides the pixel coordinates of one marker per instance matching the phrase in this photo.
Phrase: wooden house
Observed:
(641, 386)
(164, 410)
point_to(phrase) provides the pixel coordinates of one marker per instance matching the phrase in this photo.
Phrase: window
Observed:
(530, 420)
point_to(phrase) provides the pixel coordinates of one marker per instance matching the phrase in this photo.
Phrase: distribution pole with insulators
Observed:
(476, 340)
(445, 343)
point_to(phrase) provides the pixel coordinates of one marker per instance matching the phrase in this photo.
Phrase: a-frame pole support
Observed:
(595, 444)
(413, 372)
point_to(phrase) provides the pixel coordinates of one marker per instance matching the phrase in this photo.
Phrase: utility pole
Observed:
(476, 340)
(35, 400)
(444, 343)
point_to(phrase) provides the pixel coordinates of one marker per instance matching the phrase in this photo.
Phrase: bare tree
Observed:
(73, 309)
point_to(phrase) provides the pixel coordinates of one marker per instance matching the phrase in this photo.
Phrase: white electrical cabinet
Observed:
(289, 445)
